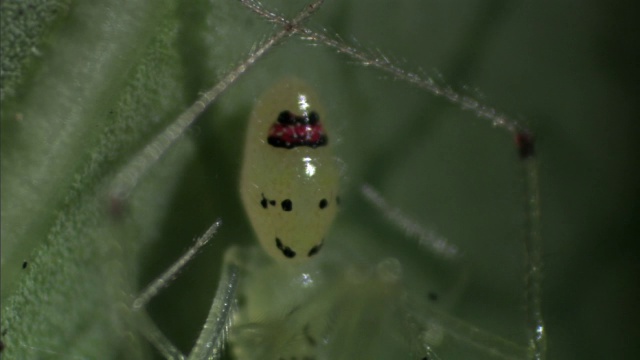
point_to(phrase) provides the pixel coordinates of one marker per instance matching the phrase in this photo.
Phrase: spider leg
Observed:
(212, 338)
(150, 331)
(171, 273)
(469, 334)
(211, 341)
(426, 238)
(142, 321)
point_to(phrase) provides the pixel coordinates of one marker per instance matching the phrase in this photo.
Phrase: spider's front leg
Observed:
(212, 338)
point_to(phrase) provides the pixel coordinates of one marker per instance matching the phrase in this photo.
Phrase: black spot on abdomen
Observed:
(286, 251)
(316, 249)
(323, 203)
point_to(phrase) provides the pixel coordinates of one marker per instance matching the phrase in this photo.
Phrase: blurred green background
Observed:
(86, 84)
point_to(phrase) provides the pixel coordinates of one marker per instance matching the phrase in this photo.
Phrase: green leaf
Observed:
(107, 81)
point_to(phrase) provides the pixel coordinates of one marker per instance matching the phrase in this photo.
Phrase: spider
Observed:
(354, 301)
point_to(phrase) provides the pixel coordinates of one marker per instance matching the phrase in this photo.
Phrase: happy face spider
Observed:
(323, 308)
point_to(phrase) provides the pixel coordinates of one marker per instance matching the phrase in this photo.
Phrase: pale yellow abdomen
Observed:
(289, 179)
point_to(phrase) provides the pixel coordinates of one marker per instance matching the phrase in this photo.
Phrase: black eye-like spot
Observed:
(287, 205)
(286, 118)
(313, 118)
(323, 203)
(316, 249)
(263, 202)
(433, 296)
(272, 202)
(286, 251)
